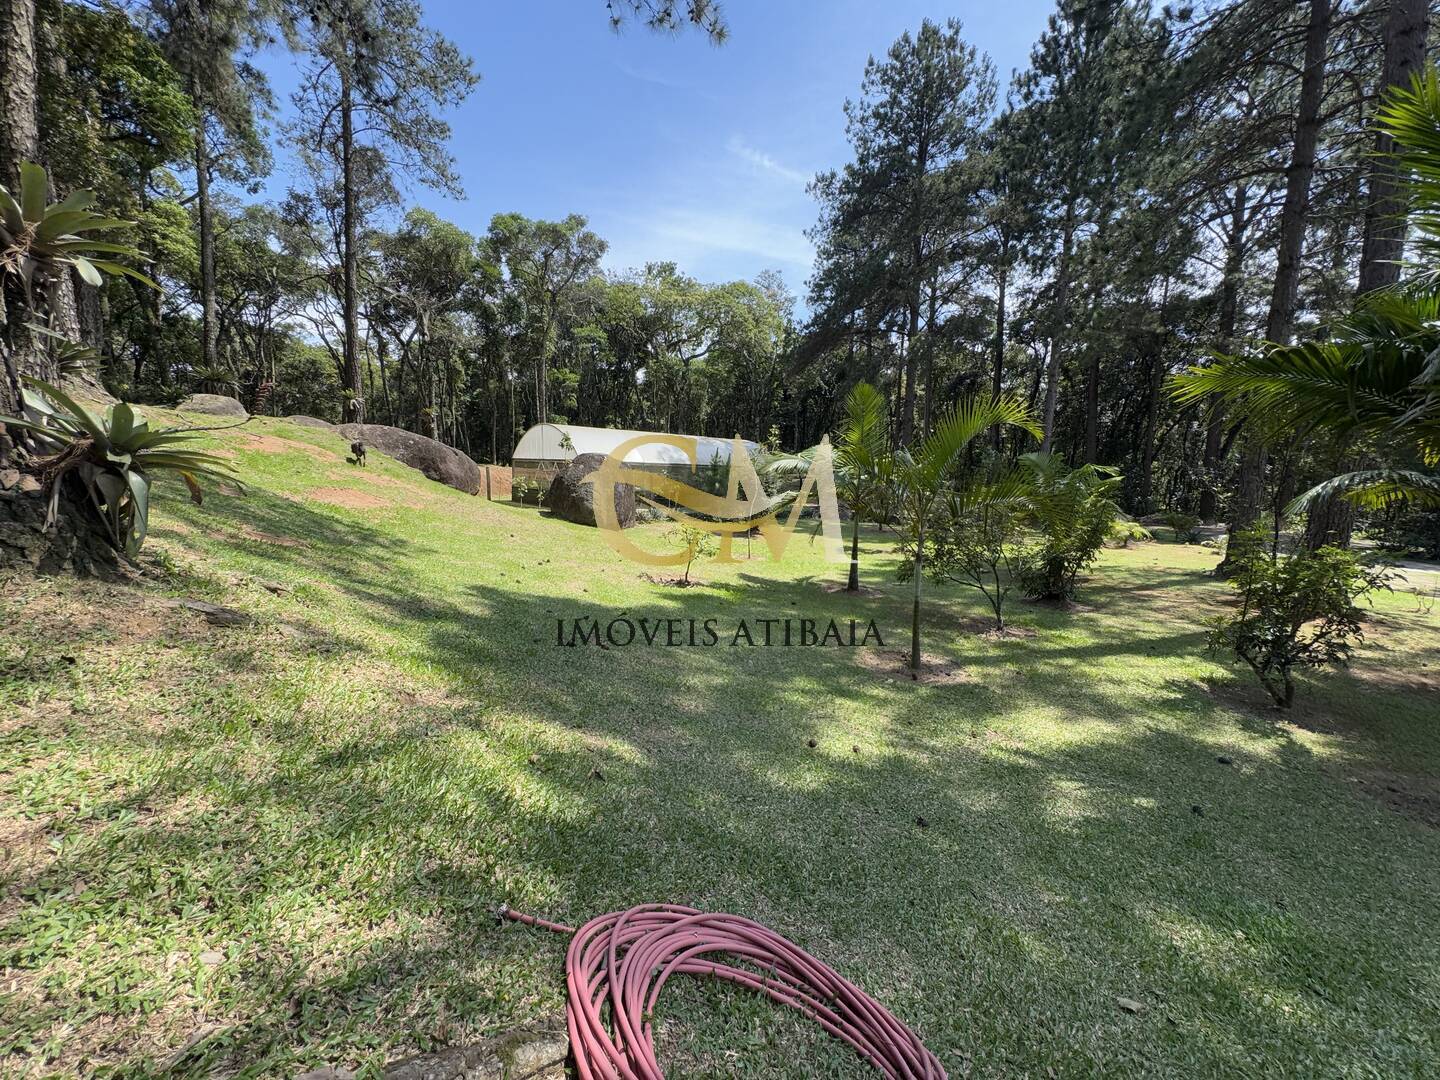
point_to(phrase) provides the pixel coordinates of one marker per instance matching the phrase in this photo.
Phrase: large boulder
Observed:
(309, 421)
(573, 499)
(439, 462)
(214, 405)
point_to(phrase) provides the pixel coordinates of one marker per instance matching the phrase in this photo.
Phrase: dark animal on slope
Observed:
(358, 449)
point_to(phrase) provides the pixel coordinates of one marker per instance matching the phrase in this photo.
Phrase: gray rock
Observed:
(309, 421)
(573, 499)
(9, 478)
(439, 462)
(214, 405)
(29, 485)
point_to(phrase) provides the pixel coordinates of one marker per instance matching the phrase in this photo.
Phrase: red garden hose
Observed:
(626, 957)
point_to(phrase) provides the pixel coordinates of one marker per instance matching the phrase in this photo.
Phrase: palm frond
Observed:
(1373, 489)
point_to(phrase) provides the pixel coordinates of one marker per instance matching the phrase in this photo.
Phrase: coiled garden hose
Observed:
(625, 958)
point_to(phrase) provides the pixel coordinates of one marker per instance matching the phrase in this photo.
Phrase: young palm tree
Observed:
(862, 465)
(921, 477)
(1379, 373)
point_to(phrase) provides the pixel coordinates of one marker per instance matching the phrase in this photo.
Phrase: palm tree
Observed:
(1378, 375)
(862, 465)
(922, 476)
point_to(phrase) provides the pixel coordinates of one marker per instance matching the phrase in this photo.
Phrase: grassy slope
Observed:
(282, 843)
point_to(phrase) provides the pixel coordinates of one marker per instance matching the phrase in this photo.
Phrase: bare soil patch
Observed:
(406, 494)
(275, 444)
(839, 587)
(348, 498)
(1415, 797)
(673, 582)
(895, 664)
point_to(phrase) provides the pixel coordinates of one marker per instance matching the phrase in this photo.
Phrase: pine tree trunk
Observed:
(1057, 336)
(997, 372)
(354, 405)
(1209, 502)
(1331, 523)
(209, 321)
(1146, 486)
(19, 141)
(912, 334)
(1406, 26)
(1249, 496)
(1229, 315)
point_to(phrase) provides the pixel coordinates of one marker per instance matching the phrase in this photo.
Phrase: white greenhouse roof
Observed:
(543, 442)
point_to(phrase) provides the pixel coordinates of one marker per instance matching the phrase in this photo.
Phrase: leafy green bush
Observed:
(982, 546)
(1183, 527)
(1073, 510)
(1123, 532)
(111, 457)
(1295, 611)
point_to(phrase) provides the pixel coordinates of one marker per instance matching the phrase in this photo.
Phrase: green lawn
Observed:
(279, 846)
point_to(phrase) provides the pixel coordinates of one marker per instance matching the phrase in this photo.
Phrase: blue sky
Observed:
(673, 148)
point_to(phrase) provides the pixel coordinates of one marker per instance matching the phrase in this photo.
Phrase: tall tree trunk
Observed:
(1249, 496)
(997, 371)
(19, 90)
(1146, 486)
(912, 334)
(929, 363)
(19, 141)
(1057, 334)
(204, 210)
(1406, 26)
(354, 407)
(1092, 408)
(1229, 317)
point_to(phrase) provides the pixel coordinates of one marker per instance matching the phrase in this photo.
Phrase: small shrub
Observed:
(984, 549)
(527, 491)
(1073, 510)
(1123, 533)
(699, 544)
(1183, 527)
(1295, 611)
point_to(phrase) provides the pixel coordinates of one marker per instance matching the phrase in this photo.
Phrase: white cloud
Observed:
(689, 235)
(765, 162)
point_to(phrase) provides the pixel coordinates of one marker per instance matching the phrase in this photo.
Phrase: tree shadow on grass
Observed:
(997, 890)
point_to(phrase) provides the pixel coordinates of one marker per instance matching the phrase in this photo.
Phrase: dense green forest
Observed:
(1158, 187)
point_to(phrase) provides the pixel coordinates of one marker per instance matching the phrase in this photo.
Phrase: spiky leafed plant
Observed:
(39, 240)
(37, 237)
(111, 456)
(862, 465)
(922, 475)
(1378, 375)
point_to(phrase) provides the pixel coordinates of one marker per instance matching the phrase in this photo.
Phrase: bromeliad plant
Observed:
(38, 238)
(111, 457)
